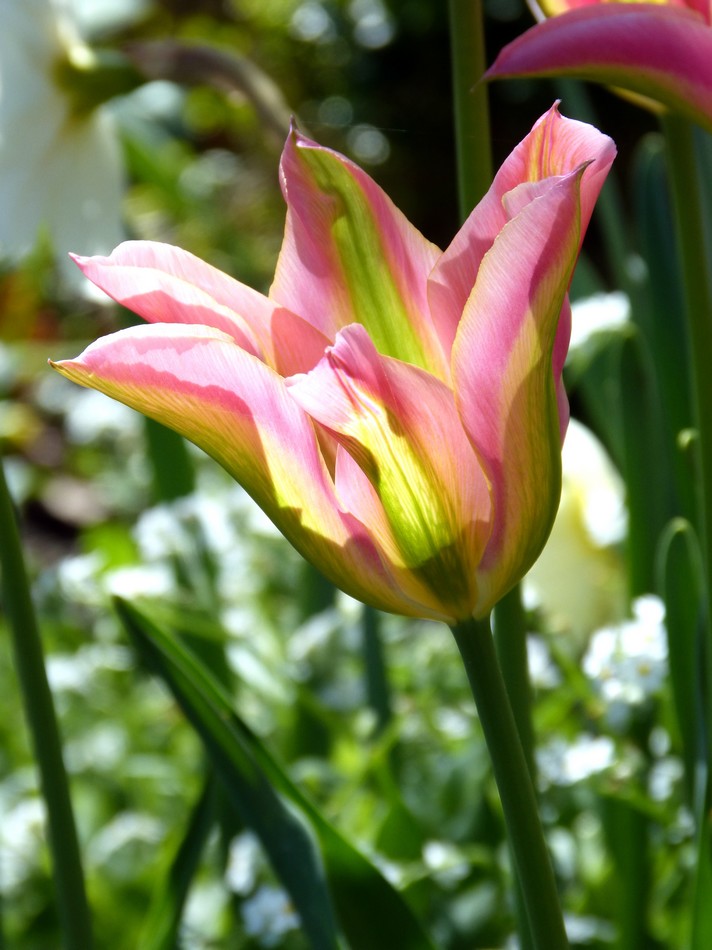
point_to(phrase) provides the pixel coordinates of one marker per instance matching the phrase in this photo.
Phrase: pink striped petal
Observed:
(545, 8)
(197, 381)
(504, 385)
(401, 427)
(165, 284)
(661, 52)
(350, 256)
(554, 147)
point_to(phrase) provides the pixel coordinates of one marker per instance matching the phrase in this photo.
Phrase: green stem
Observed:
(377, 686)
(472, 127)
(694, 262)
(39, 710)
(510, 639)
(516, 791)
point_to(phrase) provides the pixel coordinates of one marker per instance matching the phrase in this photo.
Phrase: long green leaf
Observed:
(74, 914)
(372, 914)
(160, 930)
(642, 454)
(283, 834)
(680, 585)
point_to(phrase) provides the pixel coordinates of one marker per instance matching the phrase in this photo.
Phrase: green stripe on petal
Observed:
(400, 426)
(349, 256)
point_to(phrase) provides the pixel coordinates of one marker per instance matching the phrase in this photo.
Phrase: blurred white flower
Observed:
(565, 763)
(627, 662)
(268, 915)
(244, 863)
(60, 168)
(22, 836)
(579, 578)
(597, 314)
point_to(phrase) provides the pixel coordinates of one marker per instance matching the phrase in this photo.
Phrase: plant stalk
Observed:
(471, 104)
(526, 837)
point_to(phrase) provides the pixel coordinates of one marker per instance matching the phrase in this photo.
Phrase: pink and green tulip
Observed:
(397, 411)
(661, 52)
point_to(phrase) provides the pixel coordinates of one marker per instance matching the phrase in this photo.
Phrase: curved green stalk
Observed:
(472, 128)
(687, 202)
(526, 837)
(39, 710)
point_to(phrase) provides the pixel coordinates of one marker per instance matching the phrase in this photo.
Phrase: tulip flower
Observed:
(60, 159)
(660, 51)
(397, 411)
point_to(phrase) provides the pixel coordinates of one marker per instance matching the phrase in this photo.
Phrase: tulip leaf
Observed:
(642, 453)
(372, 914)
(160, 930)
(666, 337)
(283, 834)
(680, 584)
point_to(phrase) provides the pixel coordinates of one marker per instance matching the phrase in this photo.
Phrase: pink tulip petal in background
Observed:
(661, 52)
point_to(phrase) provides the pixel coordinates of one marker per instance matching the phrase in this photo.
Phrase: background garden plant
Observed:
(305, 744)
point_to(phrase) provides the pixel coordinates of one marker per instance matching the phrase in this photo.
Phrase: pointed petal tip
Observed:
(80, 260)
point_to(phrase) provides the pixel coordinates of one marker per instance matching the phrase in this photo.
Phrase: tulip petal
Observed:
(197, 381)
(545, 8)
(394, 420)
(350, 256)
(661, 52)
(555, 146)
(165, 284)
(504, 384)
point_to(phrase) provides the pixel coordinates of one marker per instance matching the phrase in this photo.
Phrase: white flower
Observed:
(578, 579)
(60, 170)
(627, 662)
(565, 763)
(597, 314)
(268, 915)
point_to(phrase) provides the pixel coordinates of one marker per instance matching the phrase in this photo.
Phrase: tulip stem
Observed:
(471, 104)
(516, 790)
(692, 244)
(42, 722)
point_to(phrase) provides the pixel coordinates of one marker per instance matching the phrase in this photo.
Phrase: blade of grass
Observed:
(372, 914)
(75, 921)
(283, 834)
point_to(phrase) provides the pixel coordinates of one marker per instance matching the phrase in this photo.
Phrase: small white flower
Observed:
(268, 915)
(22, 835)
(566, 763)
(245, 861)
(627, 663)
(60, 171)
